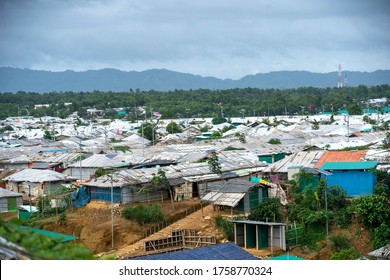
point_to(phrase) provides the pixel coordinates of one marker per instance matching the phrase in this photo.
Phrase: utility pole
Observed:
(188, 129)
(326, 211)
(346, 119)
(135, 111)
(243, 113)
(112, 209)
(152, 132)
(143, 140)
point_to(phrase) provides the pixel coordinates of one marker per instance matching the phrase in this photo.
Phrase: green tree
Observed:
(147, 131)
(173, 127)
(386, 141)
(268, 210)
(374, 210)
(381, 236)
(213, 162)
(161, 180)
(217, 134)
(218, 120)
(47, 135)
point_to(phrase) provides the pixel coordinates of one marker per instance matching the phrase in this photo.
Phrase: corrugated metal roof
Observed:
(257, 223)
(188, 171)
(342, 156)
(381, 253)
(233, 186)
(8, 193)
(226, 199)
(222, 251)
(36, 175)
(380, 156)
(303, 159)
(61, 158)
(228, 193)
(349, 165)
(97, 161)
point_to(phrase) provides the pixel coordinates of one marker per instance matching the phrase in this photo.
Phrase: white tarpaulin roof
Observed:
(227, 199)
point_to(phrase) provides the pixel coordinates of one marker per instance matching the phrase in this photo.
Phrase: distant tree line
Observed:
(194, 103)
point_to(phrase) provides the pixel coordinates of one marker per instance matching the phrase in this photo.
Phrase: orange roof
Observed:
(338, 156)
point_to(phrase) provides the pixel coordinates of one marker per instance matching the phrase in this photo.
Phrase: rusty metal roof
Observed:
(340, 156)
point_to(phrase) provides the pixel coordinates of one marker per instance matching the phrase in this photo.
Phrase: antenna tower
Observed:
(340, 83)
(345, 79)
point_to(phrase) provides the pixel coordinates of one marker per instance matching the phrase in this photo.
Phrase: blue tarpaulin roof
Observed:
(56, 150)
(222, 251)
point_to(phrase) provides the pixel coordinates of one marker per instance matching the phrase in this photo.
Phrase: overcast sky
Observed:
(220, 38)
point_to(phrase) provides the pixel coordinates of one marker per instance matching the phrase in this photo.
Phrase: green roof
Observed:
(349, 165)
(369, 111)
(285, 258)
(52, 234)
(386, 109)
(343, 112)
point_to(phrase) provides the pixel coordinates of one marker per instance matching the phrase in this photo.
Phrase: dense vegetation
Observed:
(308, 212)
(195, 103)
(41, 247)
(144, 214)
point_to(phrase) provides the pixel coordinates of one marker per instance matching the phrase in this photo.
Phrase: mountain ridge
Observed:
(111, 79)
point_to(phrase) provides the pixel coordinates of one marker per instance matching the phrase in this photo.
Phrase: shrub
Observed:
(311, 236)
(342, 217)
(274, 141)
(381, 189)
(346, 254)
(225, 226)
(217, 134)
(227, 128)
(144, 215)
(101, 171)
(122, 149)
(218, 120)
(41, 247)
(62, 219)
(268, 209)
(340, 242)
(373, 209)
(231, 148)
(381, 236)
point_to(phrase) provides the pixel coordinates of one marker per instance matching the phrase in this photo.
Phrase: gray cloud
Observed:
(227, 39)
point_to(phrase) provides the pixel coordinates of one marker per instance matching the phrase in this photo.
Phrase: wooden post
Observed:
(272, 240)
(280, 237)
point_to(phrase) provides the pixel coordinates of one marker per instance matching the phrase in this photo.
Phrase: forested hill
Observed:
(14, 80)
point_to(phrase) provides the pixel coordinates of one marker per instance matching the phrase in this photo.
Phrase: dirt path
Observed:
(203, 223)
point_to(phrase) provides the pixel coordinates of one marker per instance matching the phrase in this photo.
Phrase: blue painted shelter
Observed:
(355, 178)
